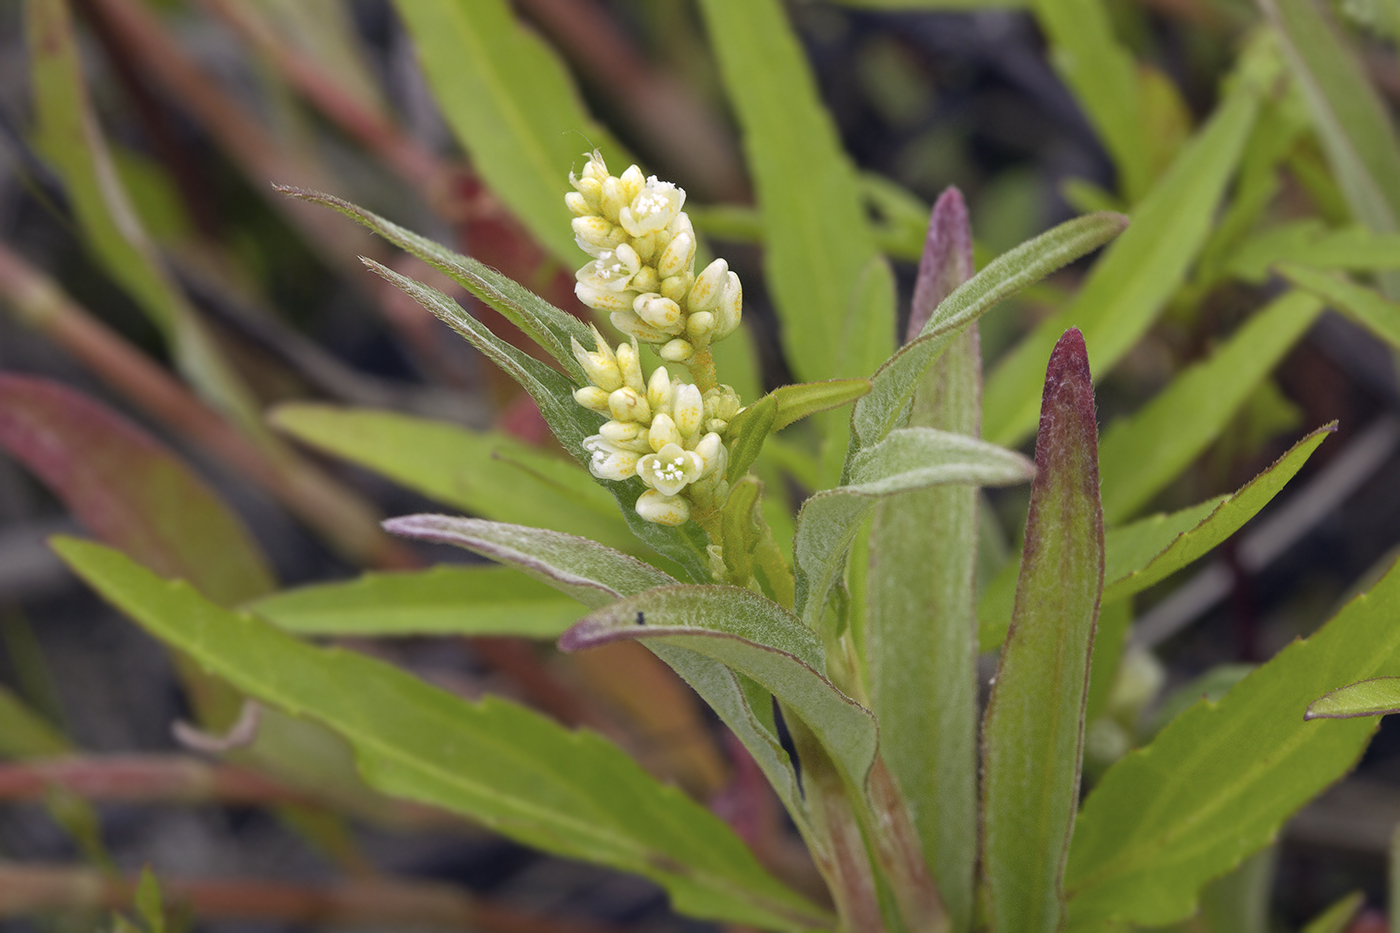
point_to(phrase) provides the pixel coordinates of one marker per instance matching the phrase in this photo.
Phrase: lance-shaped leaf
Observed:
(894, 383)
(444, 600)
(1147, 551)
(921, 624)
(1140, 455)
(1365, 306)
(755, 637)
(597, 576)
(1352, 249)
(1131, 283)
(1379, 696)
(804, 399)
(909, 458)
(1033, 736)
(570, 422)
(1337, 918)
(570, 793)
(1220, 780)
(26, 734)
(747, 433)
(547, 325)
(512, 105)
(487, 473)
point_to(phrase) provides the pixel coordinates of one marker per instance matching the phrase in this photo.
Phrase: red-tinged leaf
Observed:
(947, 260)
(1034, 729)
(129, 490)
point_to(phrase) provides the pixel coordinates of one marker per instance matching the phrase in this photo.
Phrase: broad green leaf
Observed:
(755, 637)
(1033, 734)
(1352, 122)
(547, 325)
(571, 424)
(472, 600)
(1337, 918)
(1219, 781)
(894, 383)
(596, 575)
(71, 139)
(1131, 283)
(487, 473)
(1379, 696)
(26, 734)
(803, 399)
(909, 458)
(512, 105)
(1372, 310)
(818, 243)
(1141, 454)
(920, 591)
(1104, 78)
(1310, 242)
(1149, 550)
(570, 793)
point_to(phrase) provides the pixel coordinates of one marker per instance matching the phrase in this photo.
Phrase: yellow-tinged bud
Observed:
(677, 256)
(661, 509)
(629, 258)
(731, 307)
(700, 324)
(646, 280)
(661, 313)
(687, 409)
(625, 404)
(628, 322)
(663, 432)
(592, 398)
(614, 198)
(620, 432)
(629, 363)
(590, 188)
(659, 389)
(632, 182)
(677, 287)
(709, 286)
(646, 246)
(595, 168)
(604, 299)
(578, 204)
(594, 234)
(677, 351)
(712, 450)
(600, 367)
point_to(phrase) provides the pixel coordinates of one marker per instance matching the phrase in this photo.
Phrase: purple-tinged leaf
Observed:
(946, 262)
(1034, 731)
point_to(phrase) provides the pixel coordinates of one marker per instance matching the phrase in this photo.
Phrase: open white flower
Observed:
(607, 461)
(661, 509)
(670, 469)
(653, 209)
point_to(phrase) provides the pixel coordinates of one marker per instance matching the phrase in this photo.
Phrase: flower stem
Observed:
(702, 369)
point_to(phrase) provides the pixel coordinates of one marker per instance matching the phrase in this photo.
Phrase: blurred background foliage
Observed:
(156, 286)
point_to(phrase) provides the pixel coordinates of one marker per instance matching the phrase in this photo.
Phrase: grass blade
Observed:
(1367, 307)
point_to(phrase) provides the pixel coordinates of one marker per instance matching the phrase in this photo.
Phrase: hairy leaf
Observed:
(804, 399)
(1379, 696)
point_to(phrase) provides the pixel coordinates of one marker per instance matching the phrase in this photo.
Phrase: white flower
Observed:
(659, 390)
(612, 271)
(677, 256)
(663, 432)
(626, 404)
(677, 351)
(609, 462)
(670, 469)
(731, 308)
(661, 313)
(711, 449)
(653, 209)
(688, 409)
(709, 286)
(662, 509)
(603, 299)
(594, 234)
(600, 366)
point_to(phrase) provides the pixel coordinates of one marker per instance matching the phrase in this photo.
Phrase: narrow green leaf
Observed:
(804, 399)
(1338, 917)
(547, 325)
(755, 637)
(441, 601)
(1310, 242)
(1379, 696)
(1130, 284)
(1219, 781)
(490, 474)
(1365, 306)
(570, 793)
(512, 105)
(148, 902)
(1033, 734)
(920, 592)
(818, 243)
(894, 383)
(948, 5)
(1104, 78)
(1141, 454)
(747, 433)
(26, 734)
(909, 458)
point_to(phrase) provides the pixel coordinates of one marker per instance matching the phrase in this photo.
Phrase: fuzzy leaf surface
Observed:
(1033, 735)
(570, 793)
(1219, 781)
(1379, 696)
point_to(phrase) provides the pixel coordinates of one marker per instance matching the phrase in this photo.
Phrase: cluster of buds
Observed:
(661, 429)
(643, 268)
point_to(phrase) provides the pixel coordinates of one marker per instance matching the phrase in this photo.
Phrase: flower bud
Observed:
(731, 307)
(700, 325)
(677, 256)
(711, 449)
(632, 182)
(594, 234)
(629, 363)
(709, 286)
(653, 208)
(629, 323)
(663, 432)
(600, 367)
(661, 509)
(661, 313)
(614, 199)
(659, 390)
(646, 246)
(687, 409)
(604, 299)
(595, 168)
(578, 204)
(620, 432)
(592, 398)
(625, 404)
(646, 280)
(609, 462)
(677, 287)
(676, 351)
(629, 258)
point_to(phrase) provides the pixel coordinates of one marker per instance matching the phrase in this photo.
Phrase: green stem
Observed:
(702, 369)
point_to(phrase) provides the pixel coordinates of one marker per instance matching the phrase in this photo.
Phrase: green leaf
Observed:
(1141, 454)
(755, 637)
(894, 383)
(1379, 696)
(1337, 918)
(747, 433)
(818, 243)
(148, 902)
(1033, 735)
(445, 600)
(1104, 78)
(949, 5)
(1131, 283)
(1365, 306)
(909, 458)
(541, 321)
(920, 592)
(1219, 781)
(487, 473)
(26, 734)
(804, 399)
(1309, 242)
(512, 105)
(570, 793)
